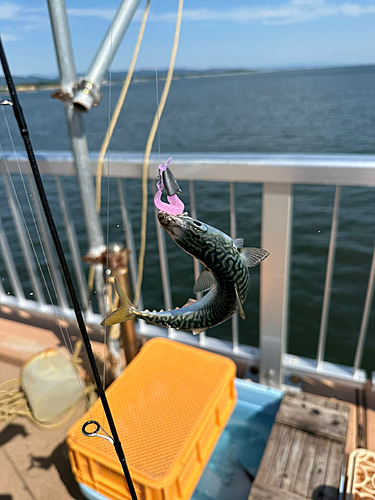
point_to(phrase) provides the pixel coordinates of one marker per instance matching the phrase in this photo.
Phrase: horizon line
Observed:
(293, 67)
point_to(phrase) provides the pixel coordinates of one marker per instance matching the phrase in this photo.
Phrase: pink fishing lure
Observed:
(174, 205)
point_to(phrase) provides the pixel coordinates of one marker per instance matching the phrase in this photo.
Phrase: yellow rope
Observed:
(120, 102)
(148, 149)
(13, 404)
(13, 401)
(109, 133)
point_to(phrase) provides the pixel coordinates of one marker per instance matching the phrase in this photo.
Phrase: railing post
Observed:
(274, 280)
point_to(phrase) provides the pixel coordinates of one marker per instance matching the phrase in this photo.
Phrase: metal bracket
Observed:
(62, 96)
(86, 90)
(95, 432)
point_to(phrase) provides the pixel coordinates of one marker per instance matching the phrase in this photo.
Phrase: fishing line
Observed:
(119, 105)
(113, 122)
(105, 343)
(106, 350)
(157, 110)
(150, 141)
(60, 317)
(157, 86)
(17, 109)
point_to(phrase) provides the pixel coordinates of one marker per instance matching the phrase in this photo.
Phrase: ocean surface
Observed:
(310, 111)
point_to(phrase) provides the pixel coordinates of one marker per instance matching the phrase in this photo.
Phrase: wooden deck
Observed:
(305, 451)
(23, 334)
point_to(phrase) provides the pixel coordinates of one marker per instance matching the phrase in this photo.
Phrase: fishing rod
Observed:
(18, 113)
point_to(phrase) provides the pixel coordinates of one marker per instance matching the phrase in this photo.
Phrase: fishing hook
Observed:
(168, 182)
(95, 432)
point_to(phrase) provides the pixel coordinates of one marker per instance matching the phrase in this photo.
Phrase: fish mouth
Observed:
(174, 225)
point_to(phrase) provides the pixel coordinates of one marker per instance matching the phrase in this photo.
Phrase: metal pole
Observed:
(365, 317)
(76, 129)
(88, 93)
(277, 211)
(233, 234)
(328, 281)
(197, 264)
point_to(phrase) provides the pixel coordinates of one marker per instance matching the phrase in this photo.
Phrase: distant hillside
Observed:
(119, 76)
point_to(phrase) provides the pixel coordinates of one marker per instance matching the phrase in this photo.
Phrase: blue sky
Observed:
(215, 34)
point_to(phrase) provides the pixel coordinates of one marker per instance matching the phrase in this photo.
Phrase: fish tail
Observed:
(123, 313)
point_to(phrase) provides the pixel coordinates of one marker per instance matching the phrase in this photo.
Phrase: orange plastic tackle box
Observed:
(170, 406)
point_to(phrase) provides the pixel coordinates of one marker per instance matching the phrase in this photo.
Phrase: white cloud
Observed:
(27, 18)
(106, 14)
(8, 37)
(293, 11)
(9, 10)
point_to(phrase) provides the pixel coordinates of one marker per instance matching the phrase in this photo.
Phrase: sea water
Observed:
(315, 111)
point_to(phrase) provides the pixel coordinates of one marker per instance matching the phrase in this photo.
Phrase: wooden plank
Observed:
(266, 464)
(370, 418)
(313, 418)
(267, 492)
(345, 407)
(281, 456)
(333, 472)
(304, 454)
(331, 403)
(295, 456)
(361, 419)
(320, 466)
(305, 467)
(305, 396)
(351, 436)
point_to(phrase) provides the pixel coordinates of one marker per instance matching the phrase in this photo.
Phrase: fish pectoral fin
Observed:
(198, 330)
(239, 304)
(205, 282)
(189, 302)
(253, 256)
(238, 242)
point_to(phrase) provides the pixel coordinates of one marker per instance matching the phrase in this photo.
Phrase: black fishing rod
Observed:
(64, 267)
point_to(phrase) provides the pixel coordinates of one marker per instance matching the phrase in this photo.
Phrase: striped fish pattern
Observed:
(226, 277)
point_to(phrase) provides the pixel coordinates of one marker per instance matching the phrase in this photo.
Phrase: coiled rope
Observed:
(13, 401)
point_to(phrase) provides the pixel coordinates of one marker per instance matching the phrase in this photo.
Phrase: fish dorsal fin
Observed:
(253, 256)
(189, 302)
(238, 242)
(198, 330)
(205, 282)
(239, 304)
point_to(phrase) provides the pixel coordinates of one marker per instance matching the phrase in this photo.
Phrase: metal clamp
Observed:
(87, 94)
(95, 432)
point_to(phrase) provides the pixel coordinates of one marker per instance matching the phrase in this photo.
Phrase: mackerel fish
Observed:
(226, 278)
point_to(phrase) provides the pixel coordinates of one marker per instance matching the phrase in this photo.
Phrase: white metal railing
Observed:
(277, 174)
